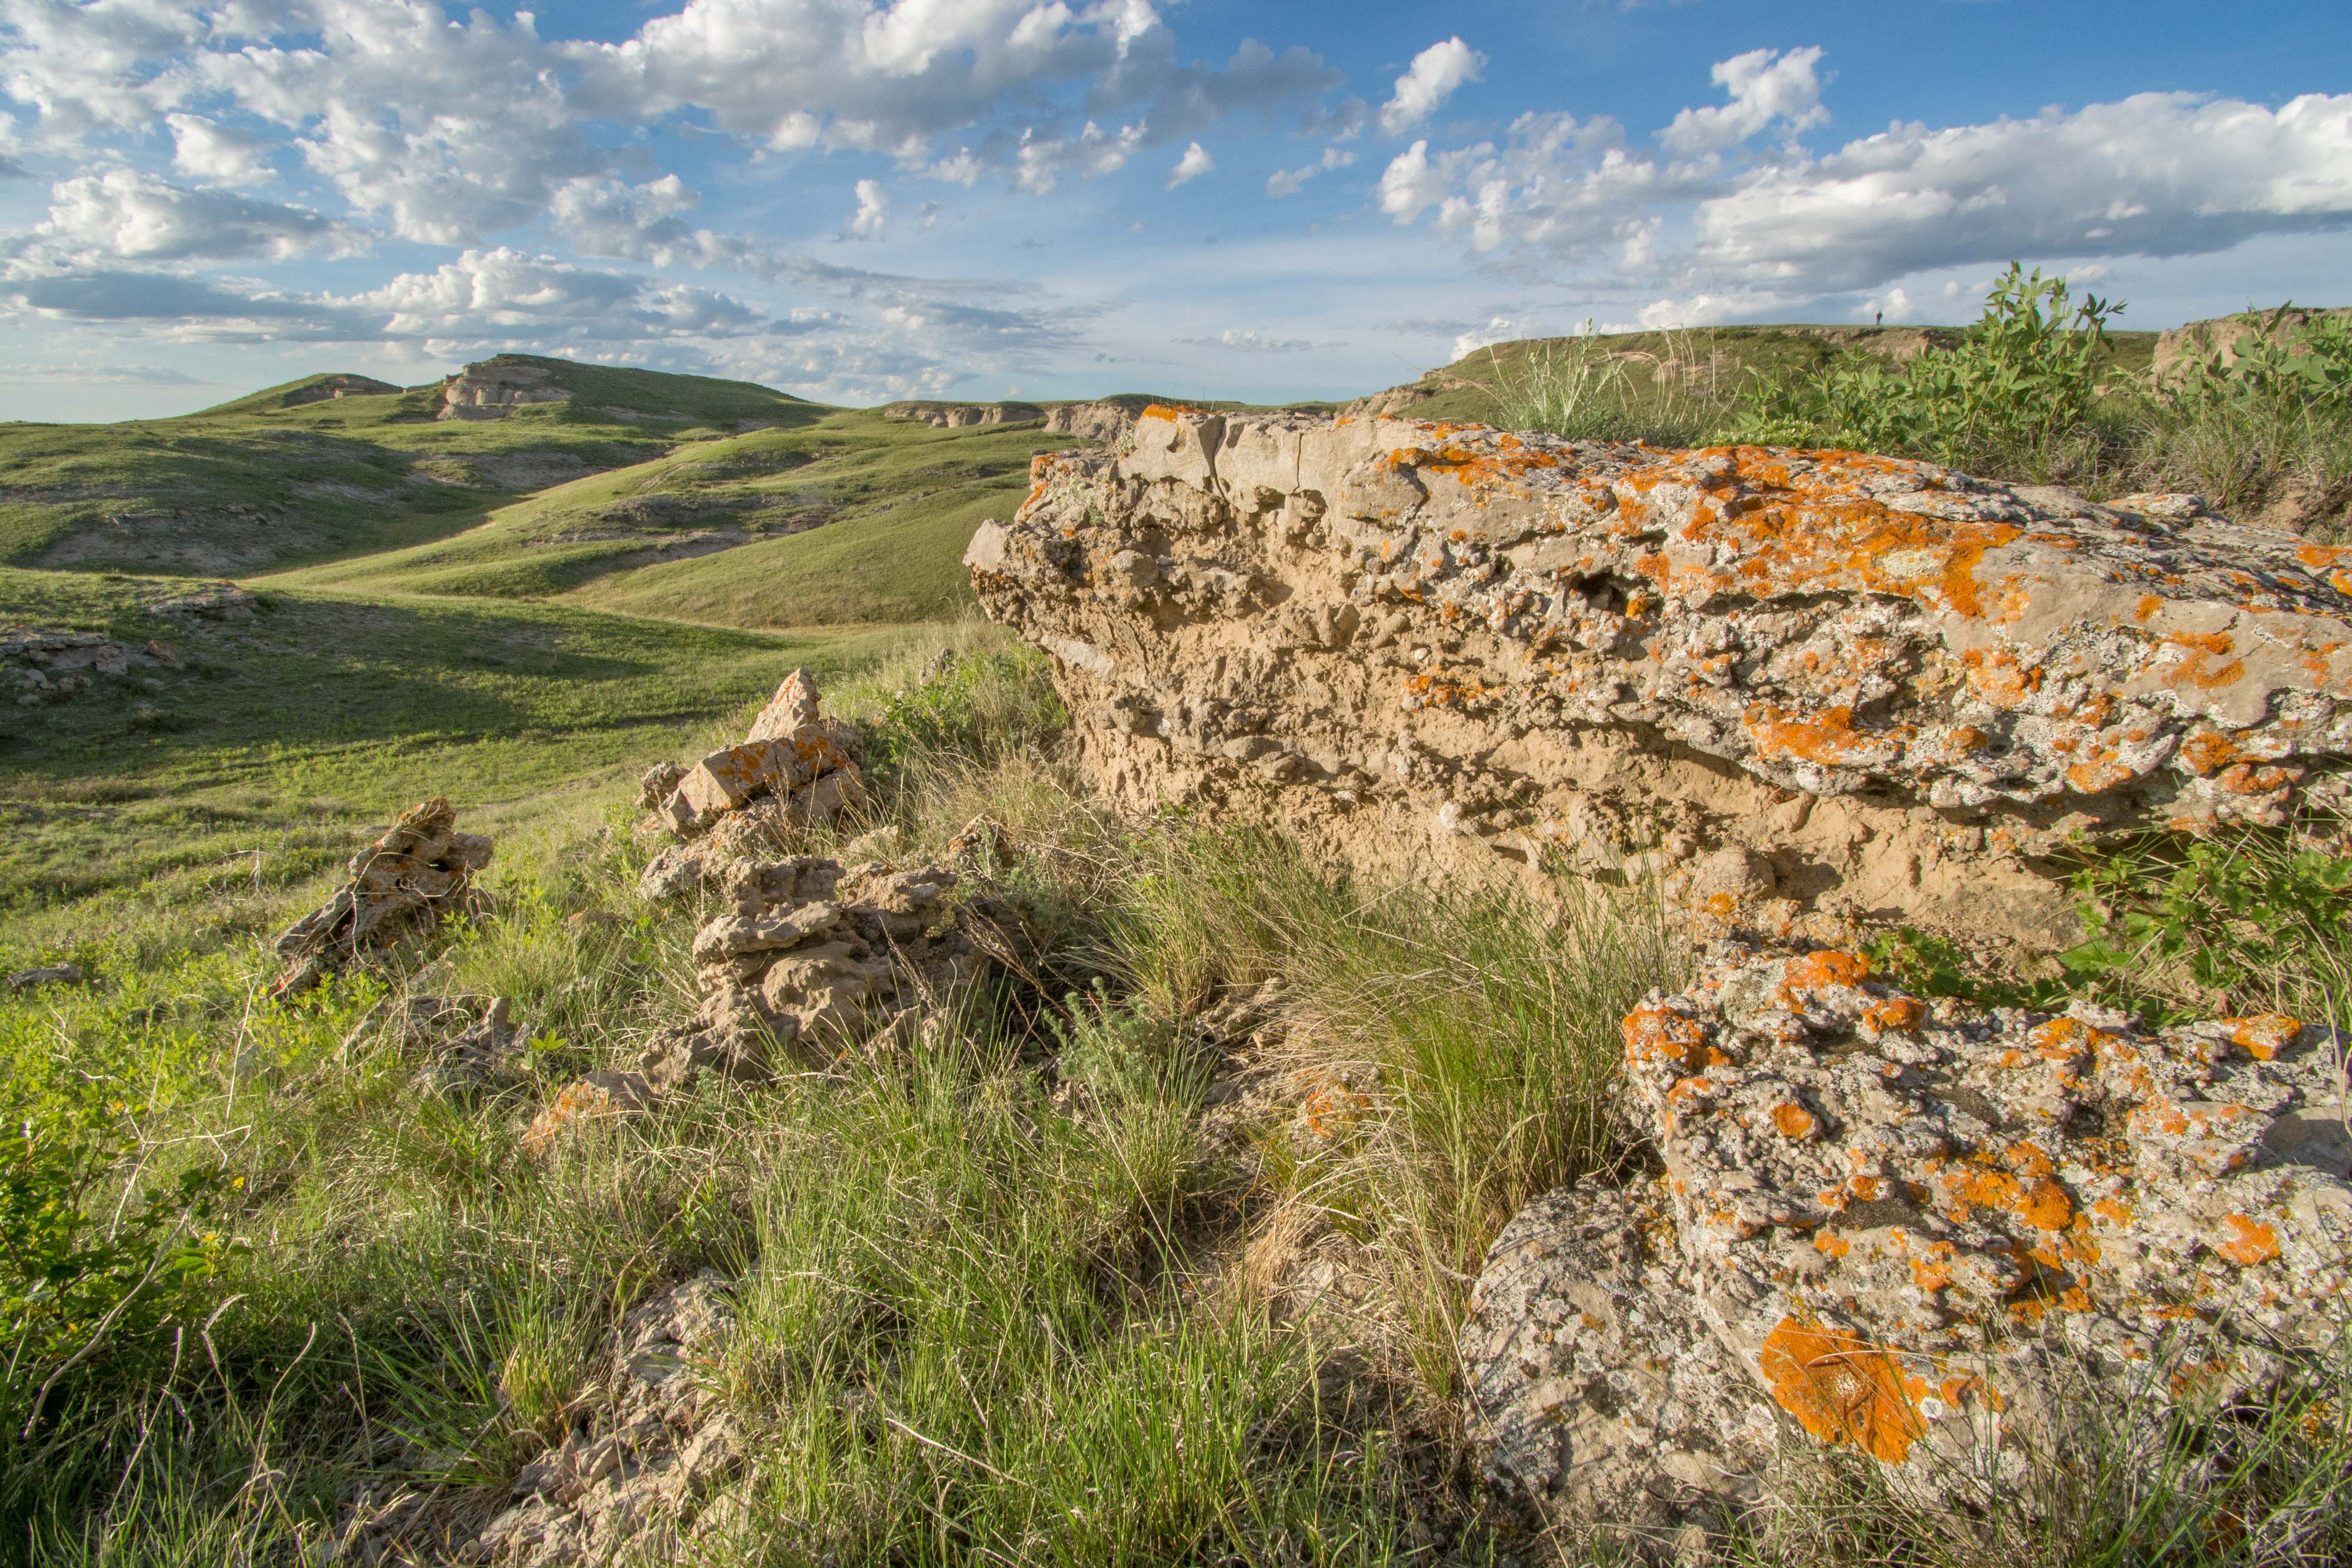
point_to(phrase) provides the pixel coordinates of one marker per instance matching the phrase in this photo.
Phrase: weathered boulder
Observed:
(818, 960)
(1903, 689)
(1947, 1238)
(793, 755)
(402, 886)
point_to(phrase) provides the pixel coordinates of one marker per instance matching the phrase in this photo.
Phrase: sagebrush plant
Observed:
(1580, 388)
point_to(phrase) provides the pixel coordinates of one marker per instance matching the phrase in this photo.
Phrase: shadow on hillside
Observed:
(314, 676)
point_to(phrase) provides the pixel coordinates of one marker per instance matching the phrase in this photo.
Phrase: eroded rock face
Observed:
(1935, 1236)
(404, 884)
(489, 389)
(1897, 687)
(1105, 421)
(958, 415)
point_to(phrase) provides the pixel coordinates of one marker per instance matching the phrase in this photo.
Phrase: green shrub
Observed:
(2020, 397)
(2278, 413)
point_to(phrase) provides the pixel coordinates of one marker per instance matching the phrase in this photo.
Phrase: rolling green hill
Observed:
(288, 475)
(849, 515)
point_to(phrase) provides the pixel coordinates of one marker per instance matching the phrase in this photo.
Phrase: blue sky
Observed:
(862, 198)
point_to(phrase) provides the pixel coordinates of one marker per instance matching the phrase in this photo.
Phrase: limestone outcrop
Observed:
(494, 387)
(404, 885)
(818, 961)
(2225, 337)
(327, 389)
(959, 415)
(1940, 1237)
(1107, 420)
(38, 666)
(1809, 690)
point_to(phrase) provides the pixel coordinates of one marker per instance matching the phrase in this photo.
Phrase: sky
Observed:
(861, 200)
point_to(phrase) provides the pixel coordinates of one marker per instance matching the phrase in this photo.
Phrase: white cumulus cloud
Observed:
(1195, 162)
(136, 216)
(218, 154)
(1766, 85)
(1432, 78)
(1290, 181)
(873, 211)
(2154, 174)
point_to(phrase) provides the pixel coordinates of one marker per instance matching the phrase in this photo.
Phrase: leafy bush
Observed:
(2020, 396)
(2279, 413)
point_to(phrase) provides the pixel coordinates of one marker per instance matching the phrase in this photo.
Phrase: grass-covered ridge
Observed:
(848, 516)
(271, 480)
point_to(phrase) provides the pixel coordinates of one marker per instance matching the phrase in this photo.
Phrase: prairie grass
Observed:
(987, 1293)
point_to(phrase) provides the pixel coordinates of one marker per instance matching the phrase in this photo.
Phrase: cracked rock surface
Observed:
(1921, 1232)
(1895, 687)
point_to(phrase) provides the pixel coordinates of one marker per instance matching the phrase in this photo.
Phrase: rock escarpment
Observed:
(1810, 689)
(490, 389)
(959, 415)
(1947, 1238)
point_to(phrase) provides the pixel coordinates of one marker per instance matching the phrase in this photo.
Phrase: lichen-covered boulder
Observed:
(794, 757)
(1594, 1389)
(1940, 1237)
(1901, 688)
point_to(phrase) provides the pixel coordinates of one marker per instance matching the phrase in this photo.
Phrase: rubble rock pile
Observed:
(819, 961)
(404, 885)
(213, 601)
(1913, 1230)
(39, 666)
(798, 766)
(1894, 690)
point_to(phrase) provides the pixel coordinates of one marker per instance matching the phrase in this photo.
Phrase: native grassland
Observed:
(1091, 1277)
(1153, 1253)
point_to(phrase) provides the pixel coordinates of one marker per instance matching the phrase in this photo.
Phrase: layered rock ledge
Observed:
(1810, 689)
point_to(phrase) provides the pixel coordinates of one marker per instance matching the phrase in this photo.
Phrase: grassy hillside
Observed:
(848, 517)
(271, 480)
(282, 735)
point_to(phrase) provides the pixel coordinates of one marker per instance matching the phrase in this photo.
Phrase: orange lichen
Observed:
(1827, 737)
(1896, 1015)
(1994, 674)
(1663, 1035)
(2263, 1035)
(1841, 1389)
(2209, 751)
(1794, 1121)
(2251, 1241)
